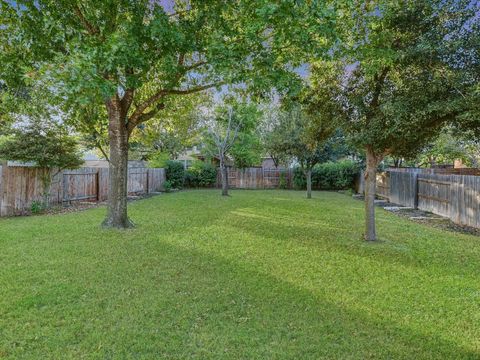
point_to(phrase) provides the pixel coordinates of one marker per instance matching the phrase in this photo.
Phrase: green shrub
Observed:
(37, 207)
(201, 174)
(282, 181)
(175, 173)
(299, 180)
(339, 175)
(167, 186)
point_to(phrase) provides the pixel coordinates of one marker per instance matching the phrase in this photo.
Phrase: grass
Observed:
(259, 275)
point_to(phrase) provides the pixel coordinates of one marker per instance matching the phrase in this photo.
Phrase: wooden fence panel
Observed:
(102, 184)
(255, 178)
(80, 184)
(402, 188)
(156, 178)
(434, 193)
(21, 185)
(137, 180)
(454, 196)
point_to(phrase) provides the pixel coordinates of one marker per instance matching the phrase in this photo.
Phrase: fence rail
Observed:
(454, 196)
(20, 186)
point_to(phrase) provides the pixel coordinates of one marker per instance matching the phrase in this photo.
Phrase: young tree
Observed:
(223, 134)
(298, 137)
(131, 56)
(49, 147)
(272, 141)
(392, 89)
(225, 128)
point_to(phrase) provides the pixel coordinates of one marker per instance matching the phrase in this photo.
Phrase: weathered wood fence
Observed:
(256, 178)
(454, 196)
(20, 186)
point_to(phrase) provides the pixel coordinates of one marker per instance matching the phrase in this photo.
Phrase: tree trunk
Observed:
(224, 171)
(308, 175)
(118, 168)
(370, 185)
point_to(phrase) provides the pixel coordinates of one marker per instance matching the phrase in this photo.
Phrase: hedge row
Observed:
(339, 175)
(200, 174)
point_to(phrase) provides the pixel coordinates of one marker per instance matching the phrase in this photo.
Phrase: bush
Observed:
(37, 207)
(329, 176)
(282, 181)
(201, 174)
(175, 173)
(299, 180)
(167, 186)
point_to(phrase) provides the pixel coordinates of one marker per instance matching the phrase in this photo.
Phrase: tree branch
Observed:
(139, 111)
(144, 117)
(92, 30)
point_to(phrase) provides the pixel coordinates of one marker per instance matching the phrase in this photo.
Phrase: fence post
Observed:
(415, 190)
(148, 182)
(3, 189)
(97, 184)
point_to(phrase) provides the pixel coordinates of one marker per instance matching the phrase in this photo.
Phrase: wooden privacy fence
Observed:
(256, 178)
(454, 196)
(22, 185)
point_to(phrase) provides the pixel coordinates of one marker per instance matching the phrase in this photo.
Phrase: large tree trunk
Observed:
(308, 175)
(370, 186)
(224, 171)
(118, 169)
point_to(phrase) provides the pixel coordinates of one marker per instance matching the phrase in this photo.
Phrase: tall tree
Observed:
(392, 87)
(131, 56)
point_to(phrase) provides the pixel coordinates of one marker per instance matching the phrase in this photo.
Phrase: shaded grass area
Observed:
(262, 274)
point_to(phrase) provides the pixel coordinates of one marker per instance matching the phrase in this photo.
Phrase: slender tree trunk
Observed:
(224, 171)
(308, 175)
(370, 186)
(118, 168)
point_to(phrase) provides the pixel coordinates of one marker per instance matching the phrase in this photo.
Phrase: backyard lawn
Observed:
(259, 275)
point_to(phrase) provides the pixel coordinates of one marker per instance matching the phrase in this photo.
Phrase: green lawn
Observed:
(259, 275)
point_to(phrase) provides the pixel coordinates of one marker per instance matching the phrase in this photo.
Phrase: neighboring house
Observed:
(194, 153)
(268, 163)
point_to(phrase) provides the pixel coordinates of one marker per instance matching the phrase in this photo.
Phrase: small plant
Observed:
(167, 186)
(282, 181)
(37, 207)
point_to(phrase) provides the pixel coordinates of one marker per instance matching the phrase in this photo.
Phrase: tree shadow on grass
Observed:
(210, 307)
(154, 297)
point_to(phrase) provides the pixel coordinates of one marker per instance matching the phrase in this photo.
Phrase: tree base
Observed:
(109, 223)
